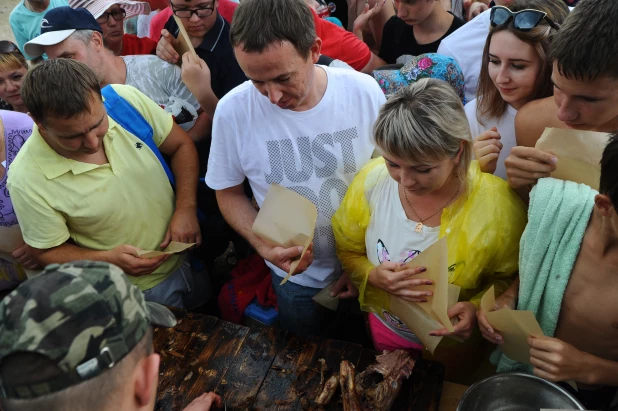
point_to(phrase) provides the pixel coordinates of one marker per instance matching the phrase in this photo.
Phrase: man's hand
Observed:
(555, 360)
(25, 256)
(165, 48)
(344, 288)
(125, 257)
(283, 257)
(465, 311)
(487, 147)
(196, 76)
(396, 279)
(183, 228)
(204, 402)
(525, 165)
(491, 335)
(366, 15)
(475, 9)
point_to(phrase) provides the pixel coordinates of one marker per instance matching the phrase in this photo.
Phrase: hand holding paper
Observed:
(286, 222)
(424, 318)
(579, 153)
(514, 325)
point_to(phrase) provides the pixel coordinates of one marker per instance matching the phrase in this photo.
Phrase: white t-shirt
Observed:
(157, 79)
(316, 152)
(390, 236)
(465, 45)
(505, 126)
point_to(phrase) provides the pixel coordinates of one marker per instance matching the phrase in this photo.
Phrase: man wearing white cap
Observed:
(74, 34)
(110, 15)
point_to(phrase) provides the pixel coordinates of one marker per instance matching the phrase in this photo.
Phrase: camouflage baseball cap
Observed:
(83, 317)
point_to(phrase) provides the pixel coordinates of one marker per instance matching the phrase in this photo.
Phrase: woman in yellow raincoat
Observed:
(426, 187)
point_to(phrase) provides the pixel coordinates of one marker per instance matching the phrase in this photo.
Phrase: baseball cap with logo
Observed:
(58, 24)
(82, 318)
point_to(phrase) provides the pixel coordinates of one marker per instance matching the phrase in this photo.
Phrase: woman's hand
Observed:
(398, 280)
(465, 312)
(487, 147)
(505, 300)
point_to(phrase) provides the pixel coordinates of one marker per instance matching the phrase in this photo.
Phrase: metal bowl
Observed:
(516, 392)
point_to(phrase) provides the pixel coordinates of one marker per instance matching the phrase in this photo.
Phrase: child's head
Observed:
(424, 135)
(413, 12)
(516, 67)
(585, 75)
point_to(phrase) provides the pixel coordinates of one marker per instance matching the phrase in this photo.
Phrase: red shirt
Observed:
(226, 10)
(133, 45)
(340, 44)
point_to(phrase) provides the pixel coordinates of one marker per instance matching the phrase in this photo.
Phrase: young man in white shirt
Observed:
(302, 126)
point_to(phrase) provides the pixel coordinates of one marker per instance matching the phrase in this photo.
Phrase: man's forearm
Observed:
(68, 252)
(240, 215)
(185, 167)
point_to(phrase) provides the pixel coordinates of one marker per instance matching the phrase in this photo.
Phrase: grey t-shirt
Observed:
(157, 79)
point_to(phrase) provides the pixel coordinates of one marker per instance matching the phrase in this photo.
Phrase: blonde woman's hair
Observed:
(425, 123)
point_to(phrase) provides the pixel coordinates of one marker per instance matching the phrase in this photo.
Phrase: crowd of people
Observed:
(417, 124)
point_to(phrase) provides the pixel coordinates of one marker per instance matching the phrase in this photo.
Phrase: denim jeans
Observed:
(183, 289)
(297, 311)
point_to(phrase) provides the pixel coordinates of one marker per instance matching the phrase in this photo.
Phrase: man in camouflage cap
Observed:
(79, 337)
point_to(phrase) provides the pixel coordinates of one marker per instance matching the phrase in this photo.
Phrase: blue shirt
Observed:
(26, 24)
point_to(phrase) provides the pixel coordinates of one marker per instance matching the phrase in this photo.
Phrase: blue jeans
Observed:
(183, 289)
(297, 311)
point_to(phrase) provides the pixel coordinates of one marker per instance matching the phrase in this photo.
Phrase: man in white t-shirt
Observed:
(302, 126)
(74, 33)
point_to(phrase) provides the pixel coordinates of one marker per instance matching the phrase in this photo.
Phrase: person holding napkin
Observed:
(426, 187)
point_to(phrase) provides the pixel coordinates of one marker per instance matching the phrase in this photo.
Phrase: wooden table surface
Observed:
(265, 368)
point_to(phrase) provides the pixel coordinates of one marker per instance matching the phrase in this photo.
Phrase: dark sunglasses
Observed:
(523, 20)
(7, 47)
(117, 15)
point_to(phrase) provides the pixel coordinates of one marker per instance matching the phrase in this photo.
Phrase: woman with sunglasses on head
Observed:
(515, 70)
(424, 188)
(13, 68)
(110, 14)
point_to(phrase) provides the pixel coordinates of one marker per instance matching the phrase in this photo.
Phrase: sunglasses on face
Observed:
(523, 20)
(118, 14)
(7, 47)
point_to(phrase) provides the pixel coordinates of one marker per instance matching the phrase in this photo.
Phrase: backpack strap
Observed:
(131, 120)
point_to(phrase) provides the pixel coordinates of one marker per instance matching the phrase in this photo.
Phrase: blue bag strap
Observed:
(131, 120)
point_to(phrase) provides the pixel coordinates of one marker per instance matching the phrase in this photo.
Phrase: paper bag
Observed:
(435, 260)
(325, 300)
(514, 325)
(286, 219)
(419, 321)
(173, 247)
(10, 239)
(184, 42)
(579, 154)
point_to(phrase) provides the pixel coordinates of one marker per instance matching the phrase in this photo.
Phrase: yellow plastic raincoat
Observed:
(482, 228)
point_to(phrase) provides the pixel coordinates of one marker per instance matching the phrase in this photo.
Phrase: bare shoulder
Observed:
(532, 119)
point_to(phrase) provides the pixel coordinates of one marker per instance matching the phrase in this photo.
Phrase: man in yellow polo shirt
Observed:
(84, 188)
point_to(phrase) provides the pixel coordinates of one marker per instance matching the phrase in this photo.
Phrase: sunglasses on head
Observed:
(523, 20)
(7, 47)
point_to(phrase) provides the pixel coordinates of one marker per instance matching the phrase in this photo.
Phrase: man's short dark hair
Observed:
(59, 88)
(91, 395)
(609, 171)
(586, 46)
(259, 23)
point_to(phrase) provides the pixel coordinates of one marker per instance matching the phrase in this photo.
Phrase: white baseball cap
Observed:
(98, 7)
